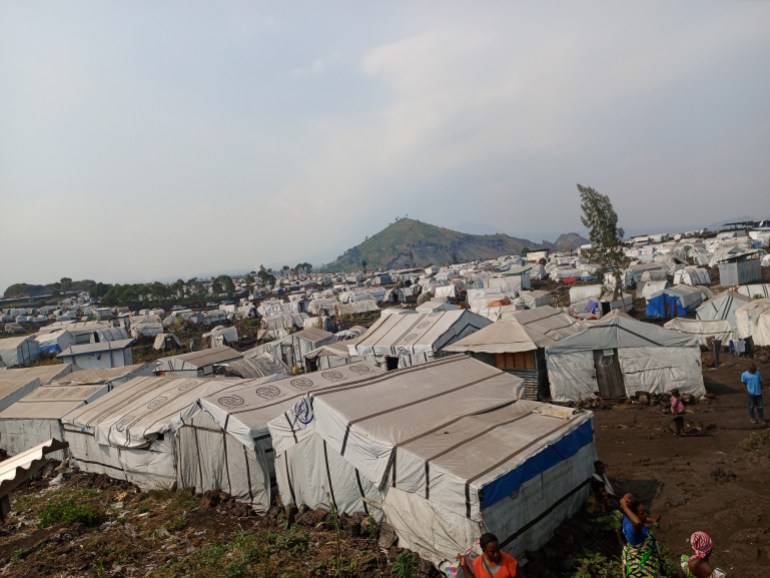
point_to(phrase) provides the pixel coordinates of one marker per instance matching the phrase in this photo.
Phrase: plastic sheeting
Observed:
(703, 330)
(753, 320)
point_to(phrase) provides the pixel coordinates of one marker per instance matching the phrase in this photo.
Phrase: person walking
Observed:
(752, 381)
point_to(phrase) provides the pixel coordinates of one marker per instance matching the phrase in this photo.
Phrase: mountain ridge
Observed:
(412, 243)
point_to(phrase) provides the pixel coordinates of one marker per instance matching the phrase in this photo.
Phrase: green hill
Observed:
(410, 243)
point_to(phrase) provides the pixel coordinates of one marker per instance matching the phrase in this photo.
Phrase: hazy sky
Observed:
(145, 140)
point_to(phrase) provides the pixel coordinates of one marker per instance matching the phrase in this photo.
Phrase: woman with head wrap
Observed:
(698, 565)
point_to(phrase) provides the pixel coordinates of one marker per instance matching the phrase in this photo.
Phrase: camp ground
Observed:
(619, 356)
(227, 446)
(128, 433)
(436, 449)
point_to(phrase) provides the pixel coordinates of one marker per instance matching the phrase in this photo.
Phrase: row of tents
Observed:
(440, 450)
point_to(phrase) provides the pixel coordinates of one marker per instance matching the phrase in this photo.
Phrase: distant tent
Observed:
(722, 307)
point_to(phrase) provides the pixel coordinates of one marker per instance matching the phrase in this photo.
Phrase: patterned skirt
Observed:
(642, 560)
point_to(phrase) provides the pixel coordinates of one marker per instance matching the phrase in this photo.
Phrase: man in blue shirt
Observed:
(752, 381)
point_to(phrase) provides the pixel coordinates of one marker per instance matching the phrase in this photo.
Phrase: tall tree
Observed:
(606, 237)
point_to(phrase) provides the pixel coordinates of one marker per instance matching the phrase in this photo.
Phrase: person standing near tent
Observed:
(492, 563)
(677, 410)
(698, 565)
(752, 381)
(641, 557)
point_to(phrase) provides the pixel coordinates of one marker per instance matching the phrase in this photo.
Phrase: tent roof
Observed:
(618, 330)
(99, 375)
(364, 421)
(408, 328)
(547, 321)
(135, 413)
(506, 336)
(13, 379)
(51, 401)
(313, 334)
(87, 348)
(197, 359)
(244, 412)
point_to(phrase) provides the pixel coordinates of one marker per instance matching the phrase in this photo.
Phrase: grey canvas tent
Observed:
(618, 356)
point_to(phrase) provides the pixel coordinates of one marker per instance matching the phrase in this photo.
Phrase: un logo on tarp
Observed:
(268, 392)
(230, 401)
(303, 412)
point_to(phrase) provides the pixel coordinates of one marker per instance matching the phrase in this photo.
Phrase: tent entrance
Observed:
(608, 374)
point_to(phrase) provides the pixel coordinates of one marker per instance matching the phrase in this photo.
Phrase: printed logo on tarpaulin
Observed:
(231, 401)
(268, 392)
(187, 386)
(301, 414)
(157, 402)
(301, 383)
(359, 369)
(121, 424)
(332, 375)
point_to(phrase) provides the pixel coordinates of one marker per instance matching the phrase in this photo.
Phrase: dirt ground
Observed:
(704, 482)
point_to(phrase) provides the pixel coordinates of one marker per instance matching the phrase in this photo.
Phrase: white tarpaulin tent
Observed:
(443, 449)
(753, 320)
(618, 356)
(37, 416)
(413, 337)
(722, 307)
(16, 383)
(755, 290)
(702, 330)
(226, 446)
(128, 433)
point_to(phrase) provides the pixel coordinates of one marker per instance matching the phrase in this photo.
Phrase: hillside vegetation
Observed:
(411, 243)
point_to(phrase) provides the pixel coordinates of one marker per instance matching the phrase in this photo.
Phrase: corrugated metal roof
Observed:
(15, 471)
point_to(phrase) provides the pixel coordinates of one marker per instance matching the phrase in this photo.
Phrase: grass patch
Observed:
(246, 554)
(70, 508)
(756, 440)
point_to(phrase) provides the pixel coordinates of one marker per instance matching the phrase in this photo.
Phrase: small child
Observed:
(677, 409)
